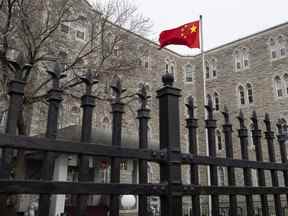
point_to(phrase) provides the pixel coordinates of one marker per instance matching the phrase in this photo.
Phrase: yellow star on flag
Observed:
(193, 29)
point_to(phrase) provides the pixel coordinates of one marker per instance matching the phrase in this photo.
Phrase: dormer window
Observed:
(277, 47)
(241, 58)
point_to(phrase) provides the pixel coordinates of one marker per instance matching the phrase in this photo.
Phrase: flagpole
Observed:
(205, 102)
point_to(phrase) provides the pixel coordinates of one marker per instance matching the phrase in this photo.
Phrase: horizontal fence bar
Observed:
(53, 187)
(69, 147)
(237, 163)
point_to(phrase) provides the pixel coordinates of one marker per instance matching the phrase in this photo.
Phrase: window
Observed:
(286, 83)
(249, 93)
(219, 140)
(221, 176)
(237, 57)
(245, 58)
(207, 70)
(241, 58)
(80, 35)
(64, 28)
(75, 109)
(241, 95)
(166, 68)
(146, 62)
(116, 51)
(277, 47)
(214, 68)
(216, 101)
(189, 73)
(124, 165)
(254, 177)
(278, 86)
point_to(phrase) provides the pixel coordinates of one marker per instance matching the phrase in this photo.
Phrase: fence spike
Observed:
(241, 119)
(254, 119)
(143, 96)
(168, 79)
(117, 88)
(190, 106)
(209, 107)
(226, 115)
(267, 122)
(89, 81)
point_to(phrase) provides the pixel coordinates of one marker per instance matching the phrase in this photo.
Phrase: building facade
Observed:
(248, 74)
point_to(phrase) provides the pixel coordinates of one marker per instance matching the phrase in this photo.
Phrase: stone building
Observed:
(248, 74)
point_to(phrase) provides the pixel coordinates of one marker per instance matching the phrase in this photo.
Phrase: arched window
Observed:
(221, 176)
(249, 93)
(245, 58)
(214, 68)
(282, 48)
(207, 68)
(241, 95)
(238, 61)
(216, 101)
(189, 73)
(219, 140)
(278, 86)
(166, 68)
(273, 48)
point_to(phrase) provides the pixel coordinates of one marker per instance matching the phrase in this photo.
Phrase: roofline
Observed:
(243, 38)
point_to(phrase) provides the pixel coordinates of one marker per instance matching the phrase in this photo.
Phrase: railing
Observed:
(169, 157)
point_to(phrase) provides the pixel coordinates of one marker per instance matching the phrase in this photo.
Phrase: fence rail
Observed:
(169, 157)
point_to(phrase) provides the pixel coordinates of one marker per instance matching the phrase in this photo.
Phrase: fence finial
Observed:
(117, 88)
(226, 115)
(168, 79)
(254, 120)
(267, 122)
(89, 81)
(209, 107)
(190, 106)
(143, 96)
(241, 119)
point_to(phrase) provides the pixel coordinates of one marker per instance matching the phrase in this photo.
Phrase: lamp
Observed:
(128, 201)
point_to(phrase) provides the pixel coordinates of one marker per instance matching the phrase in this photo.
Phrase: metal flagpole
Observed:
(205, 102)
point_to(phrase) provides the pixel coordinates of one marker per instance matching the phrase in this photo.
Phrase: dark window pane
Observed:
(64, 28)
(80, 35)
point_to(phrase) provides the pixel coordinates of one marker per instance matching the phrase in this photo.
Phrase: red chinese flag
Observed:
(187, 35)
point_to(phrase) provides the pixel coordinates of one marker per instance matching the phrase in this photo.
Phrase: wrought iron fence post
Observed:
(269, 135)
(143, 117)
(54, 100)
(256, 134)
(243, 135)
(16, 93)
(170, 172)
(211, 126)
(282, 137)
(192, 125)
(227, 130)
(88, 104)
(117, 112)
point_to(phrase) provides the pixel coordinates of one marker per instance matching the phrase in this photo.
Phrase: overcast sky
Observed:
(224, 20)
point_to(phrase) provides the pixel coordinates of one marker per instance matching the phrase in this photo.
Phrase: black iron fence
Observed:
(169, 157)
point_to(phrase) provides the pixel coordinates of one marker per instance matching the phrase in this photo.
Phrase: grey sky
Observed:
(224, 20)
